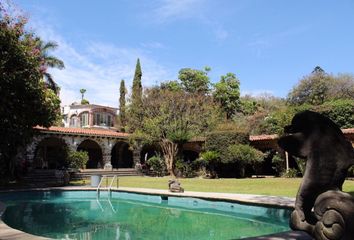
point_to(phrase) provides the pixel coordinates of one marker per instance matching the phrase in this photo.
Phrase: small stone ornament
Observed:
(175, 186)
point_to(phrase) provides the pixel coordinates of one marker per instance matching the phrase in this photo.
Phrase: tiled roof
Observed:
(347, 131)
(84, 131)
(263, 137)
(111, 133)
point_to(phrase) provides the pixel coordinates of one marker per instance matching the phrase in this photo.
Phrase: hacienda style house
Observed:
(91, 128)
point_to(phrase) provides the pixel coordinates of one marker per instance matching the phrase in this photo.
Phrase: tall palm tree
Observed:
(49, 61)
(82, 91)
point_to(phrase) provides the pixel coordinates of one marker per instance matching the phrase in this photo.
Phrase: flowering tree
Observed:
(25, 99)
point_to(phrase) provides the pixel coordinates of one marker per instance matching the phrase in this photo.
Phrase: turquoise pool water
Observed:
(80, 215)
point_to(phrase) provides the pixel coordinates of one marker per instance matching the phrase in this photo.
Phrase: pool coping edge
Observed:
(8, 233)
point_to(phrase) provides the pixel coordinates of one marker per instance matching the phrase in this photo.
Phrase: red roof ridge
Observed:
(87, 131)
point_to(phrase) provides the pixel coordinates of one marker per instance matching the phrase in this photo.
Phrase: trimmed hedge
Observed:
(220, 140)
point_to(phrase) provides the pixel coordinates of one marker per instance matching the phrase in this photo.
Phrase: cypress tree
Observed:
(137, 87)
(135, 113)
(123, 91)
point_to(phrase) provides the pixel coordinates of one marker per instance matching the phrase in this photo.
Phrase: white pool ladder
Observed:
(108, 188)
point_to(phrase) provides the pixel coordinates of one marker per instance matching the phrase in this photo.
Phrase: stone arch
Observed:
(190, 151)
(31, 148)
(50, 153)
(148, 151)
(94, 151)
(121, 155)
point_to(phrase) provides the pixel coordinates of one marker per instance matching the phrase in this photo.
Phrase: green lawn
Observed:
(265, 186)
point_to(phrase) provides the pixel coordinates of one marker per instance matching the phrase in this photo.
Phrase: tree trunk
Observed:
(169, 150)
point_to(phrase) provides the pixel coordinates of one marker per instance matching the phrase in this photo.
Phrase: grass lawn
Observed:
(265, 186)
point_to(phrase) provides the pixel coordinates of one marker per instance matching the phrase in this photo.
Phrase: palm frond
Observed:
(50, 82)
(48, 46)
(54, 62)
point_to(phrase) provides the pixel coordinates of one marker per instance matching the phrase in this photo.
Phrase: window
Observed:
(74, 121)
(103, 119)
(84, 119)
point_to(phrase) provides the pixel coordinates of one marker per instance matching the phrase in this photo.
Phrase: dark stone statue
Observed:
(321, 208)
(175, 186)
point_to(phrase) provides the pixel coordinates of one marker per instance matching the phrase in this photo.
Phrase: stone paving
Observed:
(7, 233)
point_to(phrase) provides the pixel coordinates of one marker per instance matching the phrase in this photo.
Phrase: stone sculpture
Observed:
(329, 155)
(175, 186)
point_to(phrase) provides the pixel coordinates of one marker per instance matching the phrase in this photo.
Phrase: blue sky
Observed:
(269, 44)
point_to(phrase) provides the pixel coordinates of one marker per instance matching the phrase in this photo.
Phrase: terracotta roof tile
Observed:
(348, 131)
(263, 137)
(111, 133)
(84, 131)
(275, 136)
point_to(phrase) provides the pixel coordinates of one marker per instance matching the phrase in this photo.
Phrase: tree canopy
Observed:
(25, 101)
(171, 118)
(195, 81)
(319, 87)
(227, 94)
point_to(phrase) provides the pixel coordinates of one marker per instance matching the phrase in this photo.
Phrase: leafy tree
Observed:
(171, 85)
(195, 81)
(312, 89)
(227, 94)
(249, 105)
(122, 92)
(319, 87)
(171, 118)
(49, 61)
(342, 87)
(25, 100)
(340, 111)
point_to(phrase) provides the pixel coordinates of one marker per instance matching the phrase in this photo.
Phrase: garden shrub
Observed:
(207, 163)
(185, 169)
(77, 159)
(278, 164)
(245, 156)
(219, 141)
(158, 165)
(291, 173)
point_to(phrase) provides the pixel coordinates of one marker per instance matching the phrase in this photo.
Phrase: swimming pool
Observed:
(121, 215)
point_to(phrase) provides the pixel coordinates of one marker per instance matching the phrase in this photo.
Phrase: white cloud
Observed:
(173, 10)
(170, 10)
(99, 68)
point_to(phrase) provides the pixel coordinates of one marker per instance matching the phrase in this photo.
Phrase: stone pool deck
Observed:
(7, 233)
